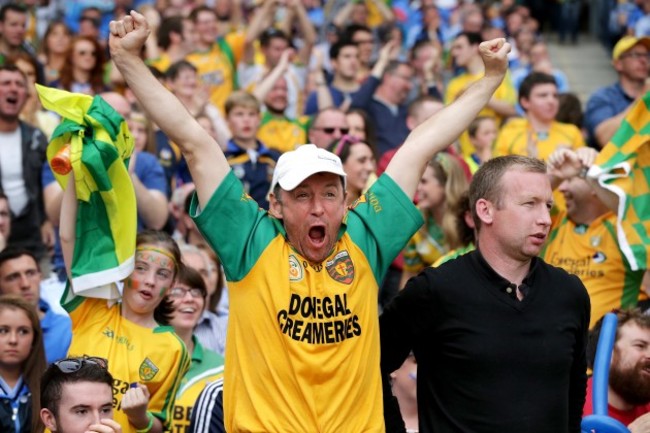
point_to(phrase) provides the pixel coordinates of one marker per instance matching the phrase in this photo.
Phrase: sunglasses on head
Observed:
(70, 365)
(346, 140)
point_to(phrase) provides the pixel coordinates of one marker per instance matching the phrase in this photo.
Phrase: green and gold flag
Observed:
(623, 167)
(100, 147)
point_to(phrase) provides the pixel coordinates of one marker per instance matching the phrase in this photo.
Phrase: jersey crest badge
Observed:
(341, 268)
(295, 270)
(599, 257)
(148, 370)
(595, 241)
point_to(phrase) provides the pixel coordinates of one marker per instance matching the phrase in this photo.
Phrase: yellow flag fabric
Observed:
(623, 167)
(100, 148)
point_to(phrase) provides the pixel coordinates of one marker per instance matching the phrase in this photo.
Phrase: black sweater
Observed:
(486, 361)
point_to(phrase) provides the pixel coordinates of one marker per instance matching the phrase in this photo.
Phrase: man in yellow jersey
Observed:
(464, 51)
(216, 56)
(303, 342)
(583, 238)
(277, 130)
(77, 397)
(537, 134)
(273, 42)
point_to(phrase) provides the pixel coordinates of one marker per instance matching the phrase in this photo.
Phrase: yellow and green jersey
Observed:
(515, 136)
(281, 133)
(207, 366)
(593, 254)
(303, 338)
(217, 67)
(423, 249)
(155, 357)
(453, 254)
(162, 63)
(504, 93)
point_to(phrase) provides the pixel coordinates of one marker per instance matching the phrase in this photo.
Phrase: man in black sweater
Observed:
(499, 336)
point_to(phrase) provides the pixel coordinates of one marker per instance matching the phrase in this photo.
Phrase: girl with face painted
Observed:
(145, 357)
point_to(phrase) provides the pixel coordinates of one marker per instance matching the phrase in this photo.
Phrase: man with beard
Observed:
(629, 373)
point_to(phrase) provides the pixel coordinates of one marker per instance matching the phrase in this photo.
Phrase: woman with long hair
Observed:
(145, 357)
(359, 164)
(442, 182)
(361, 126)
(83, 70)
(54, 47)
(190, 299)
(22, 361)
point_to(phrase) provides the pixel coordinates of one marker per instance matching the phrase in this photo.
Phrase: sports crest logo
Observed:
(599, 257)
(341, 268)
(148, 370)
(295, 270)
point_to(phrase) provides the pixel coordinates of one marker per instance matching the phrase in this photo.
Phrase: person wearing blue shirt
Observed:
(251, 161)
(607, 107)
(21, 275)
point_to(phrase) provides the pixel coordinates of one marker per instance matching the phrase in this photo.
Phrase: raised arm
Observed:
(262, 19)
(443, 128)
(297, 10)
(68, 224)
(204, 157)
(567, 163)
(264, 87)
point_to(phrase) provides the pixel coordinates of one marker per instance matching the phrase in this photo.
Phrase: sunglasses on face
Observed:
(331, 130)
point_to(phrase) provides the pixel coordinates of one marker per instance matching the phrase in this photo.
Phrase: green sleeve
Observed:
(235, 227)
(382, 222)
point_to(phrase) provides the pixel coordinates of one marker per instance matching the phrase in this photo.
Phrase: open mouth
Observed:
(147, 296)
(187, 310)
(317, 234)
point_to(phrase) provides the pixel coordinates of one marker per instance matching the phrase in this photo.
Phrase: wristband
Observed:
(149, 426)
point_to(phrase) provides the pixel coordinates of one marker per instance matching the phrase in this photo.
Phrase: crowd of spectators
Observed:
(266, 76)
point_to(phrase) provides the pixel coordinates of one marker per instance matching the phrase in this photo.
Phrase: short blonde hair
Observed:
(242, 99)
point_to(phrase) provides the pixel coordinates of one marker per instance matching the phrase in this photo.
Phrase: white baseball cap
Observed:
(295, 166)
